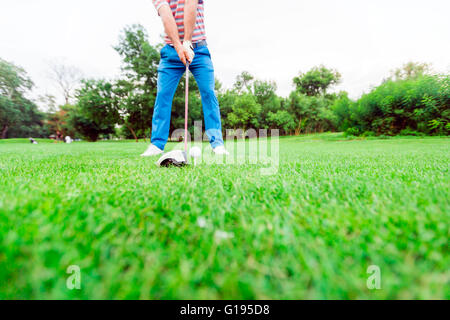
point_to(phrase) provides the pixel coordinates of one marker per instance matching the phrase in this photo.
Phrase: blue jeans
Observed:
(170, 71)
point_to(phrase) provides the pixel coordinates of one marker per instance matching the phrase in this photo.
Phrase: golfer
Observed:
(185, 43)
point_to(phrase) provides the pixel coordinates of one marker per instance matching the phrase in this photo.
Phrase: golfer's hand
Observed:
(182, 53)
(189, 49)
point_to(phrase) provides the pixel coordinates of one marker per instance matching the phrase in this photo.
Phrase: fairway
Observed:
(310, 231)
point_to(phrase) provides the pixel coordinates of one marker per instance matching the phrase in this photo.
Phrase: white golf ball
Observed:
(195, 152)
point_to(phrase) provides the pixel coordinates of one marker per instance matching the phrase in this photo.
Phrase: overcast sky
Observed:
(274, 40)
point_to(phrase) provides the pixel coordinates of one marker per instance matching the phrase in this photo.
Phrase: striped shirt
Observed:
(177, 7)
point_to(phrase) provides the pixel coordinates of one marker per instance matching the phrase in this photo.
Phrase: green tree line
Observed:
(412, 101)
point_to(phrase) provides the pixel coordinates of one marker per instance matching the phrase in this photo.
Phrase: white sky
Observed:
(274, 40)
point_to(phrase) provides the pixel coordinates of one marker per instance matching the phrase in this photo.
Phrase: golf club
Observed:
(179, 158)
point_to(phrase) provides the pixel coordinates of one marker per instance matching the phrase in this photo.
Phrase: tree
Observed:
(282, 120)
(412, 106)
(140, 58)
(411, 70)
(311, 103)
(30, 121)
(66, 78)
(312, 114)
(265, 93)
(245, 112)
(298, 106)
(133, 108)
(316, 81)
(243, 82)
(342, 112)
(48, 102)
(97, 109)
(218, 86)
(9, 115)
(14, 81)
(226, 102)
(58, 121)
(19, 116)
(136, 91)
(85, 127)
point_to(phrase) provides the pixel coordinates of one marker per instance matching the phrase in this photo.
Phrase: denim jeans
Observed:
(170, 71)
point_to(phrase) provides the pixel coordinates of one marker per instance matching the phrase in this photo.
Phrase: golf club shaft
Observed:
(186, 110)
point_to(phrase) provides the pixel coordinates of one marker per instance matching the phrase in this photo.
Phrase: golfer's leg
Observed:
(169, 75)
(203, 71)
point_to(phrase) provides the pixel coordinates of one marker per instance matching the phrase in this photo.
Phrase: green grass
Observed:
(334, 208)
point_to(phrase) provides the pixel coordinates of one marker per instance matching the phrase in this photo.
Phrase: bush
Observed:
(352, 132)
(342, 112)
(419, 105)
(368, 134)
(409, 132)
(282, 120)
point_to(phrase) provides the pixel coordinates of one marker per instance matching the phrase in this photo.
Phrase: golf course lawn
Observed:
(310, 231)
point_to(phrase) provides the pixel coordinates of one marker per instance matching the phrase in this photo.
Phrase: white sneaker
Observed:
(152, 151)
(220, 151)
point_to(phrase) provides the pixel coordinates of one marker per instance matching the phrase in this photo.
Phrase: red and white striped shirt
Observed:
(177, 7)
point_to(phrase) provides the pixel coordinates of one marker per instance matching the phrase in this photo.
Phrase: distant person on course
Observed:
(185, 42)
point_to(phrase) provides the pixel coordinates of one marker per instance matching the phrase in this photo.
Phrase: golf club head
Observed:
(176, 158)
